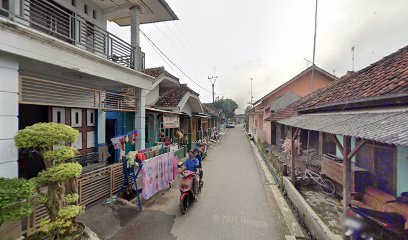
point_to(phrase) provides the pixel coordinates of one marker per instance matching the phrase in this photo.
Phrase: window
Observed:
(379, 160)
(76, 117)
(85, 9)
(90, 139)
(78, 142)
(94, 14)
(90, 117)
(58, 115)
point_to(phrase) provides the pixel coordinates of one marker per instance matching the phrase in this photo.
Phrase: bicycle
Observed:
(326, 185)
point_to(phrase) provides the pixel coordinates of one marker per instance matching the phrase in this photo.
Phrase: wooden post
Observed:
(155, 137)
(308, 144)
(190, 133)
(292, 157)
(320, 144)
(346, 172)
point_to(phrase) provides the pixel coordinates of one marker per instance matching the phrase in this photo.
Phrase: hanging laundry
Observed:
(116, 142)
(123, 143)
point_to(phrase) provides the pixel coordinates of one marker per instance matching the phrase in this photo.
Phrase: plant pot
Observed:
(79, 232)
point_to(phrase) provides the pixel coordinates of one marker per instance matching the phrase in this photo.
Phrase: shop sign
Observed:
(171, 121)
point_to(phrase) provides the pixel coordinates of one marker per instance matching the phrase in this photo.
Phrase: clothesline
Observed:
(126, 134)
(121, 140)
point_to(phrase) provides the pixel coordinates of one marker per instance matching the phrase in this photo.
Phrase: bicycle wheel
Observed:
(304, 181)
(328, 187)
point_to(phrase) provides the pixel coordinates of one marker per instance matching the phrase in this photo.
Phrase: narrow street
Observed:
(233, 204)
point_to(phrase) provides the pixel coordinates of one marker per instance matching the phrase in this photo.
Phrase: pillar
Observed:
(190, 133)
(140, 119)
(135, 36)
(292, 156)
(101, 128)
(346, 172)
(9, 88)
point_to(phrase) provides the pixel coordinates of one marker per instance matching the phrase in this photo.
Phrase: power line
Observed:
(182, 33)
(175, 65)
(164, 60)
(193, 56)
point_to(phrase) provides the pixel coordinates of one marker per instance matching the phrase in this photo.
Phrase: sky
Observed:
(269, 40)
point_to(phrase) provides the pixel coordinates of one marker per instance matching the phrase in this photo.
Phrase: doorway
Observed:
(110, 132)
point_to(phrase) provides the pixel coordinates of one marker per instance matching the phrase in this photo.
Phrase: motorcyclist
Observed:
(192, 164)
(199, 156)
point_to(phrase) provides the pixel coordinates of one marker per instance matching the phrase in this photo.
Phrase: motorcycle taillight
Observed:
(351, 213)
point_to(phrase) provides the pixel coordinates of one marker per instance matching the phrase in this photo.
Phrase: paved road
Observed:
(233, 205)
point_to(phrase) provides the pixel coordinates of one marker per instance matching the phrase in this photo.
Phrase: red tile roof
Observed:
(171, 97)
(158, 71)
(209, 109)
(388, 76)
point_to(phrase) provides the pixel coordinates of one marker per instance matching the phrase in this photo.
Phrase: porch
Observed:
(361, 152)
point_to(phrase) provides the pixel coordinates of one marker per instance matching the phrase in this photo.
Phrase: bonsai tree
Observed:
(14, 196)
(60, 176)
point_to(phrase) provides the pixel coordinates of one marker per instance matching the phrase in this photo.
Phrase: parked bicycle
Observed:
(326, 185)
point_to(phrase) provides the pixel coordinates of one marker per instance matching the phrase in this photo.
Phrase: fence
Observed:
(92, 187)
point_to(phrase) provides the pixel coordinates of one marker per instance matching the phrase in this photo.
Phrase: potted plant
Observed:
(59, 177)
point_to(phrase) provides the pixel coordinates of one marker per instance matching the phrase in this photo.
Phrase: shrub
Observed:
(50, 139)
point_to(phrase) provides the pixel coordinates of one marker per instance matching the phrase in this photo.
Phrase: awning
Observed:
(201, 115)
(384, 126)
(160, 110)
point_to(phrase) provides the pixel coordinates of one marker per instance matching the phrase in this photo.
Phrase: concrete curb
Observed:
(290, 219)
(315, 225)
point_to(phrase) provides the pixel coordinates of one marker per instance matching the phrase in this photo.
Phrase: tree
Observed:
(228, 106)
(60, 176)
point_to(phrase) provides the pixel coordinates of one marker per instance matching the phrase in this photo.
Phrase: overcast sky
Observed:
(269, 40)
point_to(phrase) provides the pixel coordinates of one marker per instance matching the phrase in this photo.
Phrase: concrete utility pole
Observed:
(352, 58)
(314, 50)
(213, 79)
(251, 93)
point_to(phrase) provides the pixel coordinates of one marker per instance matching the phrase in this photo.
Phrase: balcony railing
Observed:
(52, 19)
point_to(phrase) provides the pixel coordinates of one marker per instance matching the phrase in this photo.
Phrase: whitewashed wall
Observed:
(8, 116)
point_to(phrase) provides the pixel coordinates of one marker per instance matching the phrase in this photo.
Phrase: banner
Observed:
(157, 173)
(171, 121)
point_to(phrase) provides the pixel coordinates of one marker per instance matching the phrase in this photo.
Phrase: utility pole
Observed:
(352, 58)
(213, 79)
(314, 50)
(251, 93)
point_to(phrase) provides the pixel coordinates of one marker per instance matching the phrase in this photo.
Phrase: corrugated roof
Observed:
(382, 126)
(283, 101)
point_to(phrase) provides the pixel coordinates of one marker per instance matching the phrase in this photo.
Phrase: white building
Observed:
(58, 63)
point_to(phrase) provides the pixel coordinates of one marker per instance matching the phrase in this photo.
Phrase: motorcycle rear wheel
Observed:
(184, 205)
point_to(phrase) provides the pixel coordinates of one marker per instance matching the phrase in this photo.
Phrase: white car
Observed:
(230, 125)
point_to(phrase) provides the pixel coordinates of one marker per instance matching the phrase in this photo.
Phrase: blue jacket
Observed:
(192, 164)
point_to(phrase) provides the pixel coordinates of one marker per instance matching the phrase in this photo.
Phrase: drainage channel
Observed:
(278, 180)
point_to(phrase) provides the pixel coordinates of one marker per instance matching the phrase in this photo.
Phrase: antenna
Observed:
(352, 58)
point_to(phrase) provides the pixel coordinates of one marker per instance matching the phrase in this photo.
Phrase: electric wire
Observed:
(175, 65)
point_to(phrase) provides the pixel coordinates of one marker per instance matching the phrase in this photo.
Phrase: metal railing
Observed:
(52, 19)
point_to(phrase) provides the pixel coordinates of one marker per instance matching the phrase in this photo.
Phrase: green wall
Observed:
(353, 144)
(129, 123)
(402, 170)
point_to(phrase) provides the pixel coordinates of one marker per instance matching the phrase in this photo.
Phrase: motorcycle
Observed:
(367, 224)
(186, 189)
